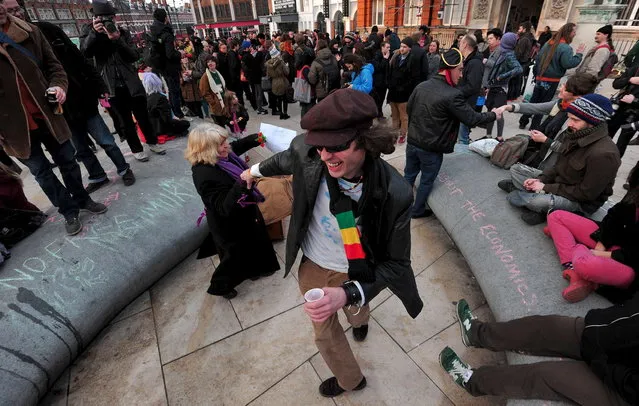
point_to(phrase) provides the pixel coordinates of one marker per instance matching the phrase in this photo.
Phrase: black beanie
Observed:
(160, 15)
(606, 29)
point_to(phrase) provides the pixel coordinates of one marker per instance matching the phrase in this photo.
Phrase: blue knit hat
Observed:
(508, 41)
(591, 108)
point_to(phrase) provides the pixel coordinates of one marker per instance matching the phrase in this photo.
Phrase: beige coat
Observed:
(14, 128)
(594, 61)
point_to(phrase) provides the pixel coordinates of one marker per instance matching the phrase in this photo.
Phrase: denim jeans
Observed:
(428, 163)
(100, 132)
(541, 203)
(463, 136)
(67, 199)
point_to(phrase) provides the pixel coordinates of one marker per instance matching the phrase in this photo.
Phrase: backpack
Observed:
(329, 78)
(155, 55)
(509, 152)
(608, 66)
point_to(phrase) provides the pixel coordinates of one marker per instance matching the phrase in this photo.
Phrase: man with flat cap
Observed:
(351, 218)
(435, 109)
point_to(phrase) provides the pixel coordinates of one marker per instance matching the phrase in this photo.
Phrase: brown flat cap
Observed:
(337, 118)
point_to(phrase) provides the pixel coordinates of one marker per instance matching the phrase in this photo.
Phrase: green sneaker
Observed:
(455, 367)
(465, 317)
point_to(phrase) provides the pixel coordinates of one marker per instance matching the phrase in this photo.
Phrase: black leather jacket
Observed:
(112, 59)
(610, 346)
(384, 218)
(435, 110)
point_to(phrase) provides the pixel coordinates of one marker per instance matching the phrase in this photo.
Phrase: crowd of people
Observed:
(351, 211)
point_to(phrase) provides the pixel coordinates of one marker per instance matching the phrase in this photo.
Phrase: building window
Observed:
(413, 12)
(455, 12)
(70, 29)
(262, 7)
(629, 16)
(46, 14)
(63, 14)
(32, 14)
(378, 12)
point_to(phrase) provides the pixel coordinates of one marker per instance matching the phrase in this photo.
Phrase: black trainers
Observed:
(330, 388)
(128, 178)
(360, 333)
(73, 225)
(533, 218)
(230, 295)
(94, 207)
(506, 185)
(92, 187)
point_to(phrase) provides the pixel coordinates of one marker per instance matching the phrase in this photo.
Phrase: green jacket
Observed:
(562, 60)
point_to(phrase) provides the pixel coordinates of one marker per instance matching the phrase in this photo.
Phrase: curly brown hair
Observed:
(377, 140)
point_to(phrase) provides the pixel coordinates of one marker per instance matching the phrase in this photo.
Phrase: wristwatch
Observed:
(353, 295)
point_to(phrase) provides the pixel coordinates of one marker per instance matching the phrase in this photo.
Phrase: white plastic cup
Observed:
(313, 295)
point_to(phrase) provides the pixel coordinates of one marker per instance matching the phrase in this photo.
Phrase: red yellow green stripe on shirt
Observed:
(350, 236)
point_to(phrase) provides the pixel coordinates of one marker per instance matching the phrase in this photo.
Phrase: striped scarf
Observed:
(344, 209)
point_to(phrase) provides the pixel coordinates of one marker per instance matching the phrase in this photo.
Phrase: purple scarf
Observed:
(234, 167)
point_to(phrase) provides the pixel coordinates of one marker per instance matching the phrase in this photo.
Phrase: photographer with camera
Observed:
(113, 54)
(628, 111)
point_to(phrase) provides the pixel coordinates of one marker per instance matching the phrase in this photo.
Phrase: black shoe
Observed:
(128, 178)
(425, 213)
(533, 218)
(626, 186)
(262, 275)
(276, 113)
(92, 187)
(230, 295)
(284, 116)
(330, 388)
(73, 225)
(634, 141)
(262, 112)
(360, 333)
(94, 207)
(522, 126)
(506, 185)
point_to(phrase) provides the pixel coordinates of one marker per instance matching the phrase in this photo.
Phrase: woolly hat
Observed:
(274, 52)
(606, 29)
(451, 59)
(592, 108)
(408, 41)
(350, 36)
(102, 8)
(508, 41)
(160, 15)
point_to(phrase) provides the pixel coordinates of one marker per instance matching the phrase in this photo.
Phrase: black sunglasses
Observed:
(336, 148)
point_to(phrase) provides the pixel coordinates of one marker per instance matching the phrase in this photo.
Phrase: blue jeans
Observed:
(463, 134)
(541, 203)
(100, 132)
(428, 163)
(67, 199)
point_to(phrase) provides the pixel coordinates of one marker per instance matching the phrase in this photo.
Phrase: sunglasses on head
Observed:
(336, 148)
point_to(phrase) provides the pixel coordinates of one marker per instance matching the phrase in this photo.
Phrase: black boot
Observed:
(330, 388)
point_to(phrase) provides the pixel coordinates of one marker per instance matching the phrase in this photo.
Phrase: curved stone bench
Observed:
(58, 292)
(516, 265)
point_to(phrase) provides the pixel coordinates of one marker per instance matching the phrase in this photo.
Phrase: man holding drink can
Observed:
(351, 218)
(33, 89)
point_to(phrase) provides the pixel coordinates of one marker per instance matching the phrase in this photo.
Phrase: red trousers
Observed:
(571, 235)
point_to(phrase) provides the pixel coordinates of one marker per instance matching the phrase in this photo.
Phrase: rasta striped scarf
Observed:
(344, 209)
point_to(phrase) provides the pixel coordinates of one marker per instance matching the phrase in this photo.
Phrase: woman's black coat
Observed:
(238, 233)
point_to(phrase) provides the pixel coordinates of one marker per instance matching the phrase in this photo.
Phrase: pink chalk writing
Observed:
(496, 244)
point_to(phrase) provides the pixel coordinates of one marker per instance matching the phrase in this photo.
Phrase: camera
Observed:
(109, 25)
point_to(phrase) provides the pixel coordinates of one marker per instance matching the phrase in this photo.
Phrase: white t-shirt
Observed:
(323, 243)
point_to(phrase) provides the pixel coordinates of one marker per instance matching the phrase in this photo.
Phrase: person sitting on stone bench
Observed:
(600, 254)
(603, 352)
(543, 151)
(582, 178)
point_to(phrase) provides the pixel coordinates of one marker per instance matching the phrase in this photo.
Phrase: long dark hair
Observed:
(632, 196)
(379, 139)
(563, 33)
(356, 60)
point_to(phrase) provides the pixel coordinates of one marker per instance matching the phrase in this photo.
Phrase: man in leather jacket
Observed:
(351, 218)
(628, 111)
(435, 109)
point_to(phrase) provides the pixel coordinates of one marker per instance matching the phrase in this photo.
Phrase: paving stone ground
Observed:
(177, 345)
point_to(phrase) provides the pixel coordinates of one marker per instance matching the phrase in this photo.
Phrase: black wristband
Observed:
(353, 295)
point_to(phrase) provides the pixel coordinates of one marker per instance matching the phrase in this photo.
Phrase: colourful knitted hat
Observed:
(592, 108)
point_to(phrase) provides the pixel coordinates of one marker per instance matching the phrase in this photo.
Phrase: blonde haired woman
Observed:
(238, 233)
